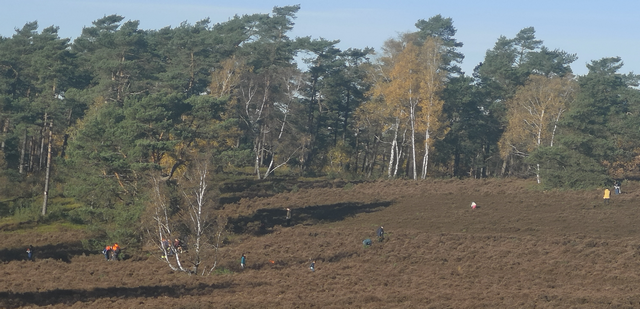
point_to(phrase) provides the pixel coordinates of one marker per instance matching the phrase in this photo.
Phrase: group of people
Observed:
(312, 266)
(170, 248)
(607, 192)
(111, 253)
(176, 247)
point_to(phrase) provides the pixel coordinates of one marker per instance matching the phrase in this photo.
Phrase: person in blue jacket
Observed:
(313, 266)
(107, 252)
(30, 253)
(243, 261)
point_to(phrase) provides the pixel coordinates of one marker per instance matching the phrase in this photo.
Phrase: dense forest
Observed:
(106, 120)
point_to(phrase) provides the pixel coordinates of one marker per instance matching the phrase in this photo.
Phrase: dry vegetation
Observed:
(522, 248)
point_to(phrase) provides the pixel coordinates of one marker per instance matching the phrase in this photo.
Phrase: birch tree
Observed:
(194, 218)
(372, 122)
(431, 85)
(412, 90)
(397, 88)
(164, 228)
(403, 91)
(534, 113)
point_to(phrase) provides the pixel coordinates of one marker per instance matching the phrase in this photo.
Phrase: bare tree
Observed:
(164, 229)
(199, 222)
(534, 113)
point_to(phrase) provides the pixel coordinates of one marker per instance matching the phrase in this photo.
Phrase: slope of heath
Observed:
(521, 248)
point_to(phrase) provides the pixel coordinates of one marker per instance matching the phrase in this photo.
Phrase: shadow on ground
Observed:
(69, 297)
(234, 191)
(63, 252)
(263, 220)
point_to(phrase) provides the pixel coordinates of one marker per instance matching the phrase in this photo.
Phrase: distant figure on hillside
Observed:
(473, 205)
(30, 253)
(243, 261)
(616, 187)
(380, 233)
(116, 251)
(176, 246)
(166, 247)
(107, 252)
(313, 266)
(607, 196)
(288, 217)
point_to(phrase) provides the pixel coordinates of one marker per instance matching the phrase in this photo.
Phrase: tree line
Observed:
(96, 118)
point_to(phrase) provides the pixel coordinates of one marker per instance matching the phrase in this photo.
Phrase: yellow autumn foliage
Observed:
(534, 112)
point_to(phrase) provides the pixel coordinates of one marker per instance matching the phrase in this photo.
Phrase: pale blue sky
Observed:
(592, 29)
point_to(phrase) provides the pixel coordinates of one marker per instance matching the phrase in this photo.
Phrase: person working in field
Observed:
(177, 246)
(116, 251)
(288, 217)
(607, 196)
(166, 247)
(107, 252)
(243, 261)
(380, 233)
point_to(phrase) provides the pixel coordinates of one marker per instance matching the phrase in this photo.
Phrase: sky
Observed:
(592, 29)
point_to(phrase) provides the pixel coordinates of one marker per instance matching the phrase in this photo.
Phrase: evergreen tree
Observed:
(118, 59)
(508, 66)
(270, 53)
(591, 136)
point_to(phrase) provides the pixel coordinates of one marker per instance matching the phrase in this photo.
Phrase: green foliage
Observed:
(236, 157)
(26, 210)
(223, 271)
(348, 186)
(563, 168)
(511, 61)
(442, 28)
(474, 128)
(119, 224)
(596, 132)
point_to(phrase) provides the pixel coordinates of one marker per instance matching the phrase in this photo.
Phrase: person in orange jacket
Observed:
(116, 251)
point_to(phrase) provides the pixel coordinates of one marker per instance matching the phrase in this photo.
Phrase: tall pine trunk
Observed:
(22, 152)
(46, 178)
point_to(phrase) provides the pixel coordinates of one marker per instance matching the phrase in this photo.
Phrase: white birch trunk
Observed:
(195, 212)
(164, 230)
(399, 153)
(392, 151)
(425, 159)
(412, 110)
(555, 127)
(538, 142)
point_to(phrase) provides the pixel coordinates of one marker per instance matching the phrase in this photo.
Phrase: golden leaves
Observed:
(534, 113)
(227, 76)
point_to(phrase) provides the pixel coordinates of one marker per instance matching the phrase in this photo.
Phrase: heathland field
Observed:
(522, 248)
